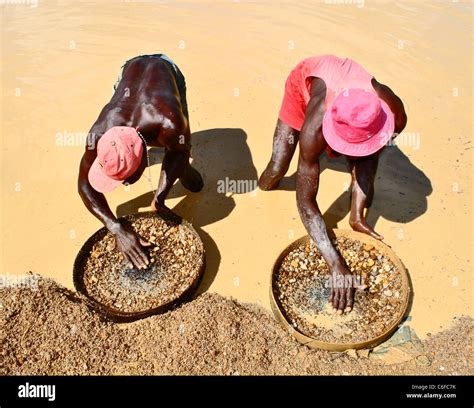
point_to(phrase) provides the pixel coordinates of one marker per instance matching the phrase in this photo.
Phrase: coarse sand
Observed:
(49, 330)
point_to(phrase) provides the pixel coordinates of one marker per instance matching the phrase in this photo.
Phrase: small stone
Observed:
(368, 247)
(130, 289)
(387, 293)
(364, 353)
(352, 353)
(387, 268)
(423, 360)
(303, 278)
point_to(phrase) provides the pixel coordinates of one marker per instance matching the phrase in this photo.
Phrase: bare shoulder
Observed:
(318, 88)
(382, 89)
(312, 142)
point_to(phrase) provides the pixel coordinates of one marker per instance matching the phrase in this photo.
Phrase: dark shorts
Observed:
(180, 81)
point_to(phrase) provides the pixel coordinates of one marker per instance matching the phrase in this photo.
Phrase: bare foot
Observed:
(164, 212)
(362, 226)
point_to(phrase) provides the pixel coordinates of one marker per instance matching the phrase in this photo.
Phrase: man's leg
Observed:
(285, 140)
(172, 167)
(175, 165)
(363, 172)
(191, 179)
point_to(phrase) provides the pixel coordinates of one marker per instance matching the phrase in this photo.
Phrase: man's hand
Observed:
(343, 286)
(131, 245)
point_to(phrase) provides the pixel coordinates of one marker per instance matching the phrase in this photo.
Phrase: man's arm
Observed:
(394, 103)
(312, 145)
(94, 201)
(128, 242)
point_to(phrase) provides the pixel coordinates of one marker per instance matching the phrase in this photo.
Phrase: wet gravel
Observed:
(302, 288)
(176, 258)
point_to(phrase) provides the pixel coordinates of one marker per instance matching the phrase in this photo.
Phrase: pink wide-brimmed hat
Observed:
(119, 154)
(358, 123)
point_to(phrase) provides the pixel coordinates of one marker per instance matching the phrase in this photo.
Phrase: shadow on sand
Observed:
(401, 189)
(217, 154)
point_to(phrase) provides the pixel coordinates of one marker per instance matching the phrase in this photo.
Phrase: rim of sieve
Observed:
(118, 315)
(279, 313)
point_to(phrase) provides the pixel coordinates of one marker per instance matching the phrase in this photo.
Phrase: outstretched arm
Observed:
(312, 145)
(94, 201)
(128, 242)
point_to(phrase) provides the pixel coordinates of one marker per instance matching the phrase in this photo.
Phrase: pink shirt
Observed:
(337, 73)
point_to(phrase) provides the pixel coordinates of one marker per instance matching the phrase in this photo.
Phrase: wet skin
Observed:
(147, 97)
(363, 170)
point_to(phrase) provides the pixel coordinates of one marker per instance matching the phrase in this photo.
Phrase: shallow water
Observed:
(61, 58)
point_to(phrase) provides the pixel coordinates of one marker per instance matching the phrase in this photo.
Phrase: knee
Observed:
(277, 168)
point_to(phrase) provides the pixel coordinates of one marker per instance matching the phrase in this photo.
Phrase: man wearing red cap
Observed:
(333, 104)
(148, 108)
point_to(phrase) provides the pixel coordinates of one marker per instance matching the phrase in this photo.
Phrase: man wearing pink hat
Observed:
(148, 108)
(333, 105)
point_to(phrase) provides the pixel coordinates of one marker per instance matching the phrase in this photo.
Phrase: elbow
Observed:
(81, 187)
(400, 122)
(300, 201)
(303, 204)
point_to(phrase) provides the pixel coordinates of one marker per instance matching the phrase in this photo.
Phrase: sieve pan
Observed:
(117, 315)
(281, 317)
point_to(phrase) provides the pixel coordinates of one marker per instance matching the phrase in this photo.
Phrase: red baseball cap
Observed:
(119, 154)
(358, 123)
